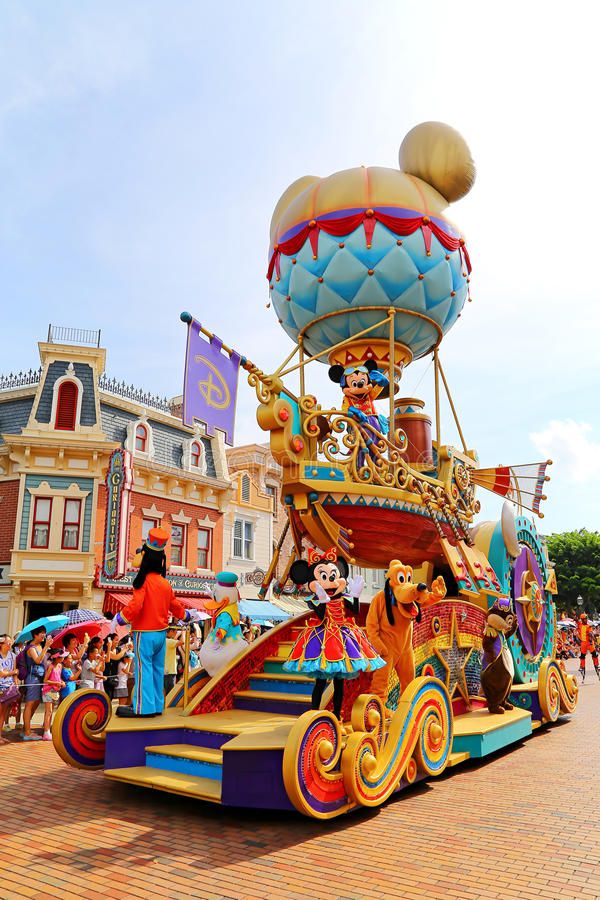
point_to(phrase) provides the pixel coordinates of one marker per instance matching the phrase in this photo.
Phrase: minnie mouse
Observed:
(332, 645)
(361, 385)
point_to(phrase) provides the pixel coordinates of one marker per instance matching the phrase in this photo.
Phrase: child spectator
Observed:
(70, 674)
(123, 672)
(89, 668)
(51, 689)
(171, 658)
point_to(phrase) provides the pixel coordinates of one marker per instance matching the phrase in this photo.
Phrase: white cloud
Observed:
(569, 445)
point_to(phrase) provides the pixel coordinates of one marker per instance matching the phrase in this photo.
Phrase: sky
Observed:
(144, 145)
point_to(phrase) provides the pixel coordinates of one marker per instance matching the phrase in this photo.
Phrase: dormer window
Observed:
(141, 438)
(195, 455)
(66, 406)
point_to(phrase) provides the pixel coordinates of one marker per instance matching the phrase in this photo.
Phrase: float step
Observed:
(273, 702)
(204, 762)
(284, 649)
(172, 782)
(275, 682)
(274, 664)
(480, 733)
(455, 758)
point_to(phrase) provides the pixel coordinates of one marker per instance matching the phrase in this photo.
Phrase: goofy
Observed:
(148, 612)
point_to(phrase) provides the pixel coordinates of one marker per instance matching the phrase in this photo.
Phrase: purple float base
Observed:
(528, 700)
(128, 748)
(254, 779)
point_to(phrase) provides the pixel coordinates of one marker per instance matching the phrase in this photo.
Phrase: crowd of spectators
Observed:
(36, 673)
(567, 641)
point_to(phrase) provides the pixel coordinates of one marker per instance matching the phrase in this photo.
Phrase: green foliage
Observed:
(577, 558)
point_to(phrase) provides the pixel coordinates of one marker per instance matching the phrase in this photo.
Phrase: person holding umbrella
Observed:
(148, 613)
(34, 660)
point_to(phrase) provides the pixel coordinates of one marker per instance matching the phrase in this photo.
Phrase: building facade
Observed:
(53, 453)
(256, 518)
(63, 430)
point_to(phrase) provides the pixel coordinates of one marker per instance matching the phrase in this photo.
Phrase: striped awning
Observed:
(261, 611)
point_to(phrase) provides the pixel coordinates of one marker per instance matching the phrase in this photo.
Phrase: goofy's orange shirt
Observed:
(151, 605)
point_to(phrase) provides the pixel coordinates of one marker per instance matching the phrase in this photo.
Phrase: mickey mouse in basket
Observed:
(361, 385)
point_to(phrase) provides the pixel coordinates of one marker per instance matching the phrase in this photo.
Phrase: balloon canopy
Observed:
(347, 248)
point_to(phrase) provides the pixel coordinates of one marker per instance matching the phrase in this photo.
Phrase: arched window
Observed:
(195, 454)
(245, 488)
(141, 438)
(66, 406)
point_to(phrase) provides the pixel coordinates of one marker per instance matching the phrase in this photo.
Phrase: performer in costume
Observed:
(497, 667)
(225, 640)
(390, 623)
(587, 644)
(148, 613)
(361, 385)
(332, 645)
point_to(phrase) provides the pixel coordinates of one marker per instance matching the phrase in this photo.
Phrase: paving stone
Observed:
(522, 825)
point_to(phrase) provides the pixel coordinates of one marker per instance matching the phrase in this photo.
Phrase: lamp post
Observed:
(580, 600)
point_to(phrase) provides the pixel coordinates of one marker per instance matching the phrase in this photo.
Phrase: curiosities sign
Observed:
(119, 481)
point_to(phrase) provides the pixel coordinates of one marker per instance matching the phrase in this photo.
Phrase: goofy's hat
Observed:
(157, 540)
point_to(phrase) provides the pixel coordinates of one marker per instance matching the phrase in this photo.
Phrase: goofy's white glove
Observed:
(117, 621)
(193, 615)
(355, 586)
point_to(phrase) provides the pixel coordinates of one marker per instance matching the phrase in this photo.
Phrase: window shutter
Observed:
(66, 406)
(237, 538)
(245, 489)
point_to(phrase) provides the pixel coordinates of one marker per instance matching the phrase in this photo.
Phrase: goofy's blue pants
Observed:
(149, 649)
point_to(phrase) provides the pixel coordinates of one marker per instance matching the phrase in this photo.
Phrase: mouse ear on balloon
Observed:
(440, 156)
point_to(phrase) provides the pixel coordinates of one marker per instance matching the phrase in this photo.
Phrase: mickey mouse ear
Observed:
(440, 156)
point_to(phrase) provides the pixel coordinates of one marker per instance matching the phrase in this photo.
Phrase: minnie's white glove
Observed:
(355, 586)
(321, 594)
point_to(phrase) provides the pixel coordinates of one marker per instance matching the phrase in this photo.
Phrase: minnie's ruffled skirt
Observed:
(327, 650)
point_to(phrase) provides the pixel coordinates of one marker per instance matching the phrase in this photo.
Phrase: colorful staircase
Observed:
(220, 756)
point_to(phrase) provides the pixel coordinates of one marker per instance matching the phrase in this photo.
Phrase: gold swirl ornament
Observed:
(557, 691)
(79, 728)
(311, 773)
(419, 739)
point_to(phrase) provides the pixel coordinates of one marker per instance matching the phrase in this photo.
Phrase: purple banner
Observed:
(210, 383)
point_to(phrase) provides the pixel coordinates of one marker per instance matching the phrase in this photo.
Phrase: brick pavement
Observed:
(523, 825)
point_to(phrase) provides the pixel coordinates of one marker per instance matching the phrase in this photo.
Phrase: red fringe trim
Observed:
(347, 224)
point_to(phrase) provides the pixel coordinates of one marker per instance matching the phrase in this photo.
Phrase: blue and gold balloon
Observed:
(347, 248)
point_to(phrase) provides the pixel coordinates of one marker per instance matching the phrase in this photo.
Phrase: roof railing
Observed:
(59, 334)
(20, 379)
(129, 392)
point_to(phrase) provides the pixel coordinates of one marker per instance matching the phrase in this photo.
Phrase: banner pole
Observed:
(186, 671)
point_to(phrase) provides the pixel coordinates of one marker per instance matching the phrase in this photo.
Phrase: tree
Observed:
(576, 555)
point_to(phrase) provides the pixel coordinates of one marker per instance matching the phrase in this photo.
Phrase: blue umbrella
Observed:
(50, 623)
(75, 616)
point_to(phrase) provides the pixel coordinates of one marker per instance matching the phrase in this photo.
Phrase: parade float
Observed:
(366, 274)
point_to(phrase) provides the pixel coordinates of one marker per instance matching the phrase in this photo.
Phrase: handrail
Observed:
(60, 334)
